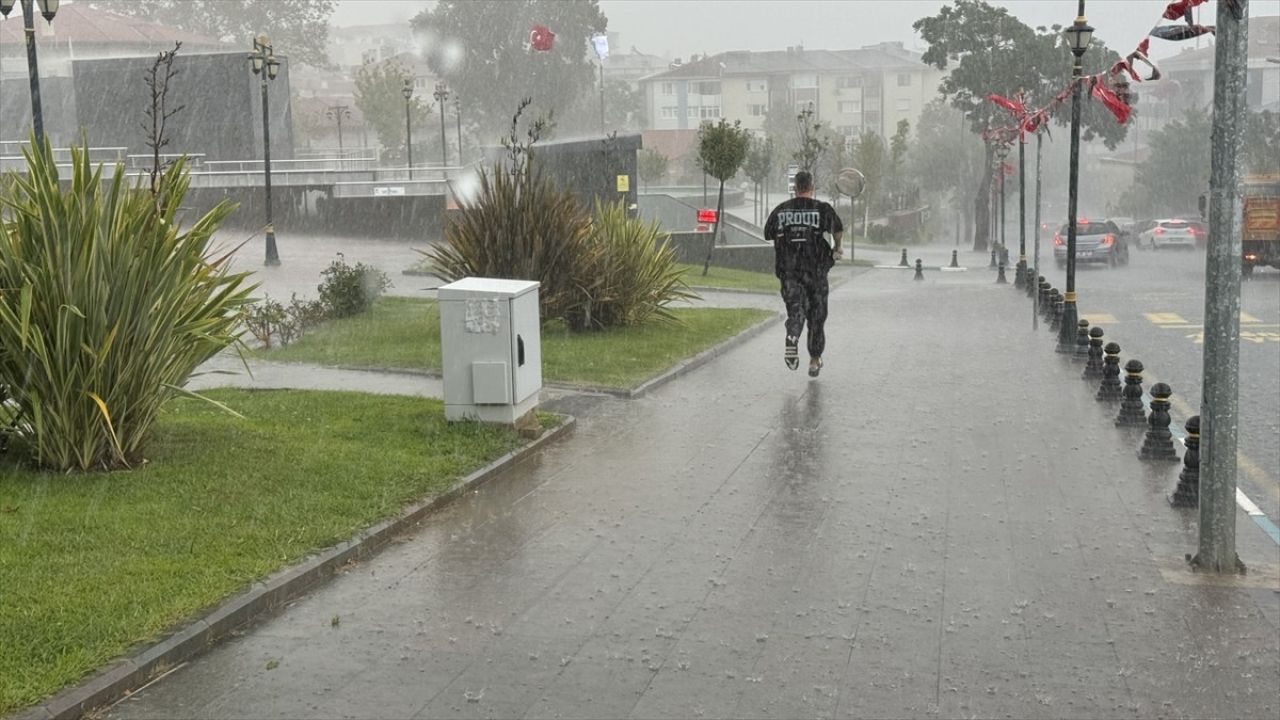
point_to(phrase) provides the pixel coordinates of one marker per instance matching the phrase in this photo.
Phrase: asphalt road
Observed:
(1154, 309)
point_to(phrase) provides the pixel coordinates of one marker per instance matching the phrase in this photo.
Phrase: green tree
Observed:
(813, 142)
(780, 129)
(298, 29)
(481, 48)
(986, 50)
(379, 95)
(870, 157)
(651, 165)
(759, 166)
(944, 157)
(722, 148)
(896, 173)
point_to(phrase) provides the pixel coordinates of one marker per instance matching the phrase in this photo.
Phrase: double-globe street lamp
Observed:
(48, 8)
(407, 92)
(1079, 35)
(339, 113)
(441, 95)
(263, 63)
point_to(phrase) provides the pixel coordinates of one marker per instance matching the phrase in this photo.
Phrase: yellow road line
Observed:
(1100, 319)
(1247, 318)
(1165, 318)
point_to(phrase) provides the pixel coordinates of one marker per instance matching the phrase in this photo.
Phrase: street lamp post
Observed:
(264, 64)
(1079, 36)
(1002, 152)
(457, 114)
(407, 92)
(338, 112)
(1035, 297)
(48, 8)
(442, 96)
(1020, 278)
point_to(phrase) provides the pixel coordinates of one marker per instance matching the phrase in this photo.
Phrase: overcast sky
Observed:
(679, 28)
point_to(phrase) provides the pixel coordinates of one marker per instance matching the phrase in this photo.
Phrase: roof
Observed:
(1264, 41)
(81, 24)
(884, 56)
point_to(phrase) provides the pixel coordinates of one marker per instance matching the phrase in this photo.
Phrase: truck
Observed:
(1261, 227)
(1261, 236)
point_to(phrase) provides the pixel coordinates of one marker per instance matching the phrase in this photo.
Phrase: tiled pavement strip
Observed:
(945, 524)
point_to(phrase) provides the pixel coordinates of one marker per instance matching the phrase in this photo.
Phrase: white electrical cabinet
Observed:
(491, 347)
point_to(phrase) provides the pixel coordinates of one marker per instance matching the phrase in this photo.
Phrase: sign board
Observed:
(792, 169)
(624, 183)
(388, 191)
(707, 216)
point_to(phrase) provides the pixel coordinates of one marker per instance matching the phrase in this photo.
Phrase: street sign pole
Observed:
(1219, 419)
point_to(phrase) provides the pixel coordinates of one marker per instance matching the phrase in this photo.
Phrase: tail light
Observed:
(1158, 231)
(1057, 239)
(1250, 257)
(1108, 240)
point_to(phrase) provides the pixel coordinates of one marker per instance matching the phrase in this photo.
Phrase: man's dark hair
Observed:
(804, 182)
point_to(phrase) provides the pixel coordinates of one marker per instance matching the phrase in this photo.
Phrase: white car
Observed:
(1169, 233)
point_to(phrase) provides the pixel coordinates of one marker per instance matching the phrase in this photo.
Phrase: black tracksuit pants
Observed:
(805, 295)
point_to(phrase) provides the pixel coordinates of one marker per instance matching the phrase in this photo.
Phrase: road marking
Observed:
(1100, 319)
(1247, 318)
(1166, 318)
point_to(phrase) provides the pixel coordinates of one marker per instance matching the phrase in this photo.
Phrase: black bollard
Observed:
(1032, 285)
(1000, 279)
(1045, 287)
(1082, 340)
(903, 262)
(955, 260)
(1158, 442)
(992, 266)
(1093, 367)
(1187, 493)
(1055, 319)
(1131, 414)
(1004, 255)
(1019, 276)
(919, 270)
(1109, 390)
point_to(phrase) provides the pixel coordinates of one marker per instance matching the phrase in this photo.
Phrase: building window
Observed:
(668, 88)
(845, 130)
(693, 113)
(849, 81)
(904, 105)
(668, 112)
(849, 107)
(871, 119)
(710, 112)
(757, 110)
(757, 86)
(904, 79)
(710, 87)
(804, 81)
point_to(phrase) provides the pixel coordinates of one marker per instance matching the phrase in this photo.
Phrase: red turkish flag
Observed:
(541, 38)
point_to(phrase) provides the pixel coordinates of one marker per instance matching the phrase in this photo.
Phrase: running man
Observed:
(799, 229)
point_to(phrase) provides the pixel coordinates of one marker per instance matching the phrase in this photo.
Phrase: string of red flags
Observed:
(541, 38)
(1109, 88)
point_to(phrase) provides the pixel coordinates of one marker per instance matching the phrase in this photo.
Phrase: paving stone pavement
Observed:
(944, 524)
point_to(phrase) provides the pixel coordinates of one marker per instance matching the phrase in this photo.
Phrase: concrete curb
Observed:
(121, 677)
(702, 358)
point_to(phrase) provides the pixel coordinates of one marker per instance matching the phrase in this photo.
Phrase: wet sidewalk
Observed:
(945, 524)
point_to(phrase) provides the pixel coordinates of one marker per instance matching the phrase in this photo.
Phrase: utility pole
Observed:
(1219, 419)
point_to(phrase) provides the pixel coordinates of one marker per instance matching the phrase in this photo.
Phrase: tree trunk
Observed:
(982, 203)
(715, 231)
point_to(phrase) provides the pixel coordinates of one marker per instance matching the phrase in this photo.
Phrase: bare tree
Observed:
(158, 114)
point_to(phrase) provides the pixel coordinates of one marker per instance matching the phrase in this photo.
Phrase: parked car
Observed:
(1096, 241)
(1169, 233)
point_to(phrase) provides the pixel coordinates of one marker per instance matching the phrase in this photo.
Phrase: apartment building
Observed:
(869, 88)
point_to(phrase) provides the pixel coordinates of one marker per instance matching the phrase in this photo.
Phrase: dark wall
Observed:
(58, 109)
(221, 99)
(691, 247)
(589, 168)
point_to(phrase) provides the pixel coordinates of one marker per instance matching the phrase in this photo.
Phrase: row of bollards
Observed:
(1102, 365)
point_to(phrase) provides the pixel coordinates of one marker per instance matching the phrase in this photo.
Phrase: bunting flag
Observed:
(601, 43)
(1099, 86)
(541, 38)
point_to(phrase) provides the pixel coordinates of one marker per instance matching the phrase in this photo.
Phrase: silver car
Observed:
(1170, 233)
(1097, 241)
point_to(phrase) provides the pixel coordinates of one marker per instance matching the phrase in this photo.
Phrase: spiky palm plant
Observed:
(107, 307)
(519, 226)
(632, 278)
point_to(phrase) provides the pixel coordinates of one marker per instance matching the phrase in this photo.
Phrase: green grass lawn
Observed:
(728, 278)
(405, 333)
(91, 564)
